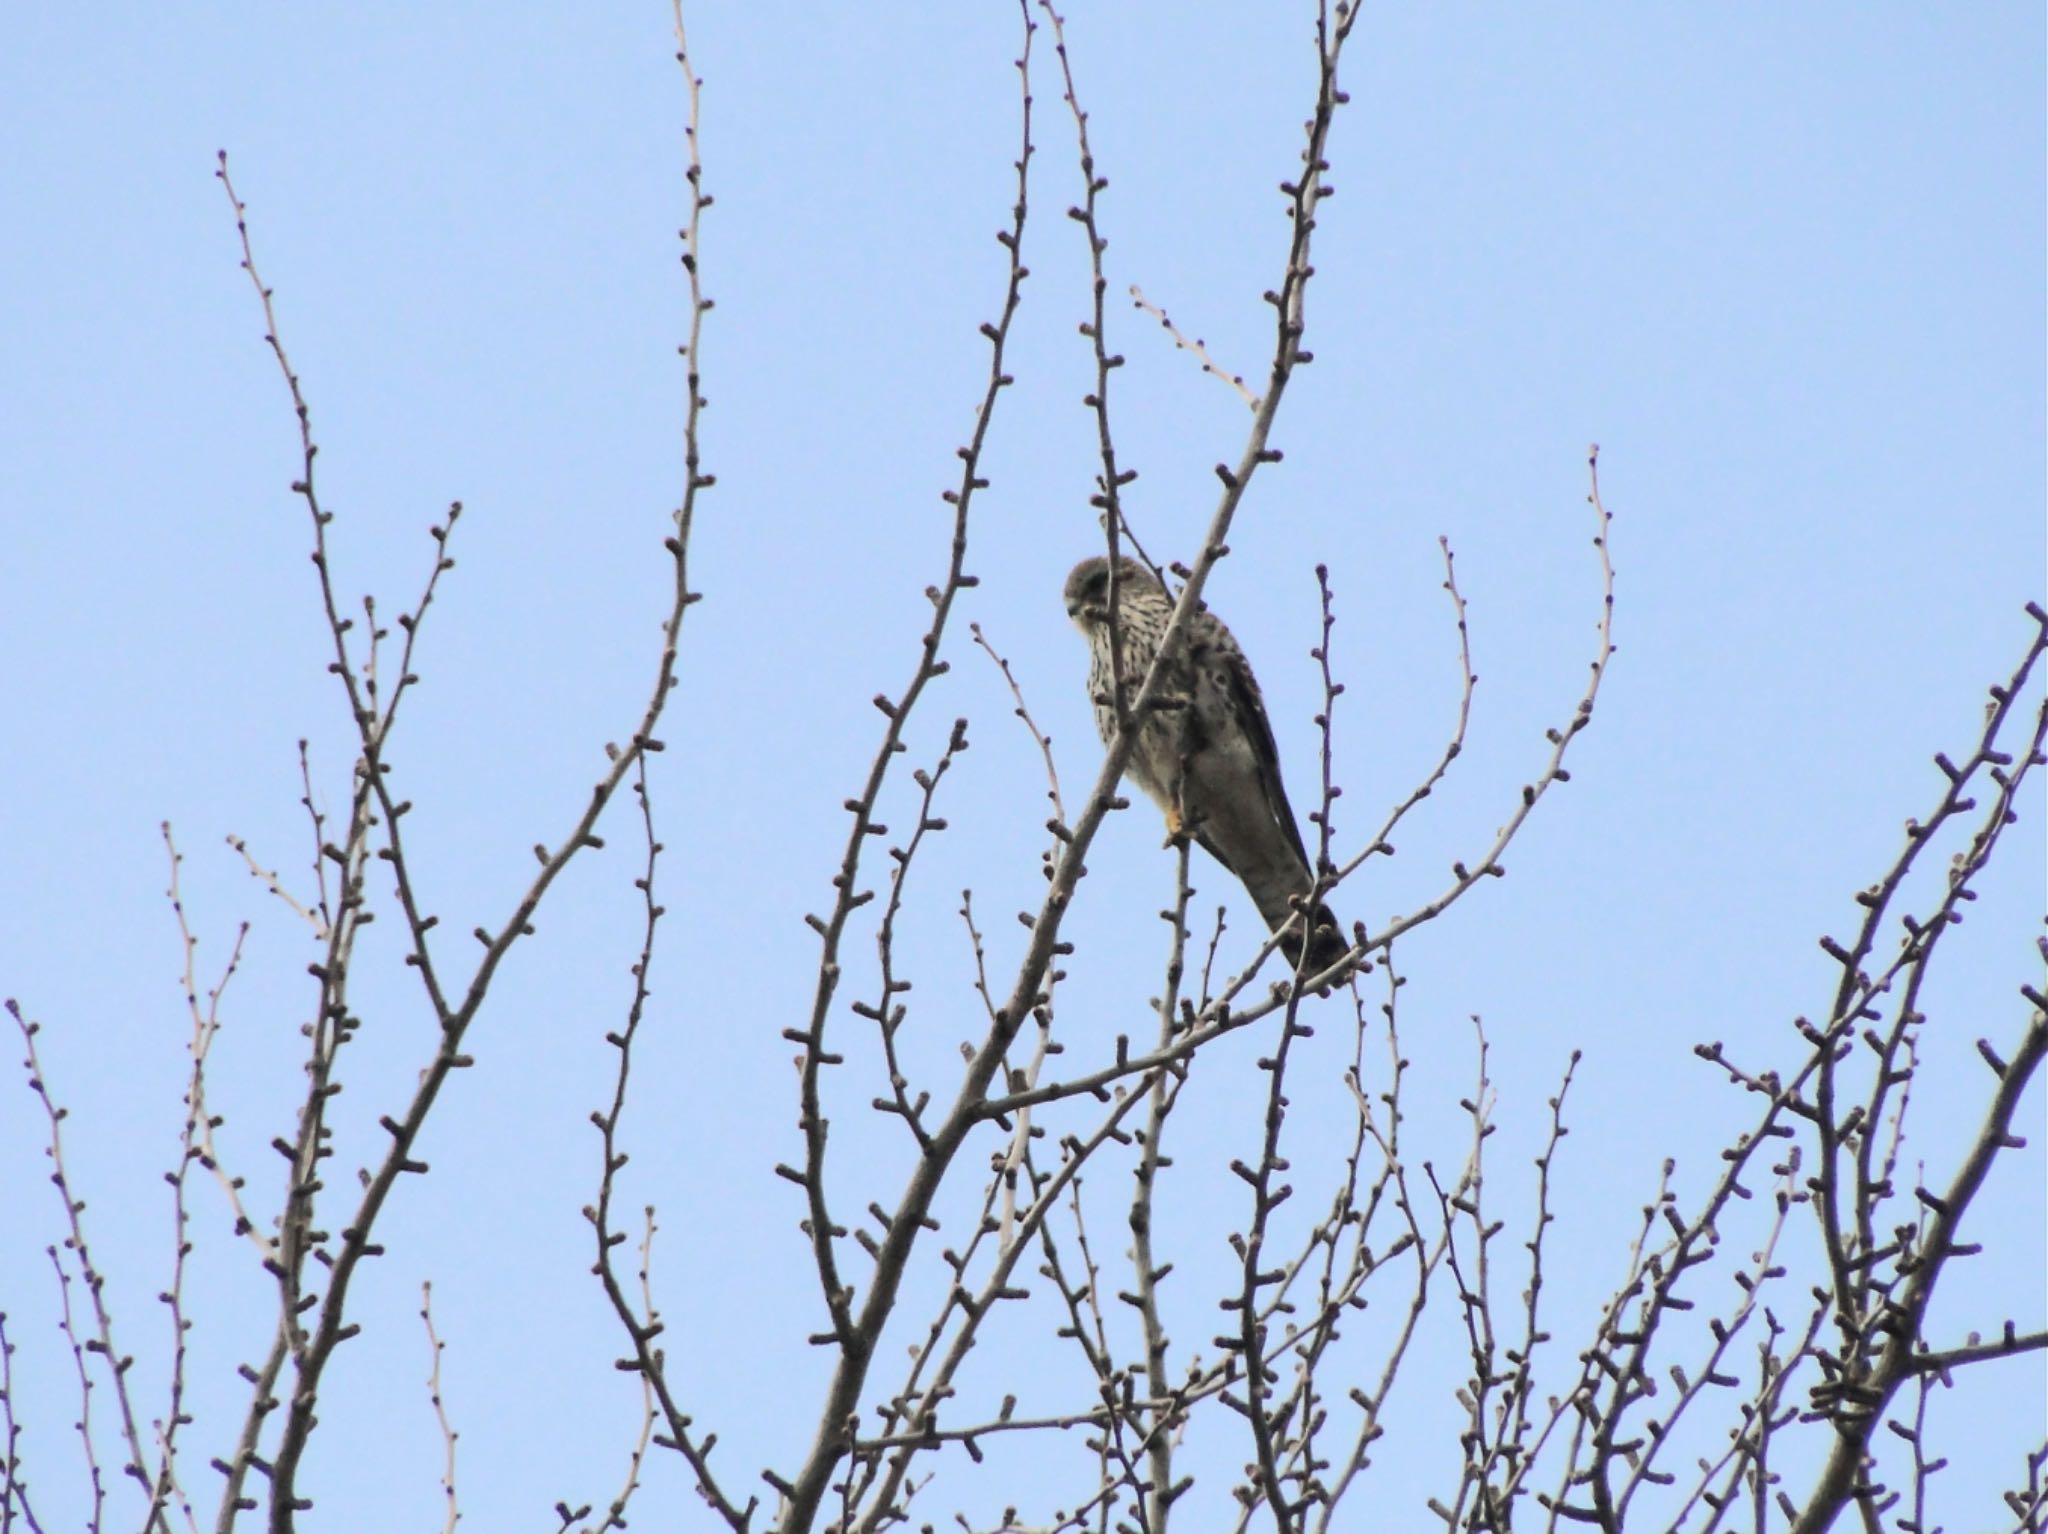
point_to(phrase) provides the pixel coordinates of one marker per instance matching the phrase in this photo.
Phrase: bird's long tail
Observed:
(1275, 899)
(1326, 941)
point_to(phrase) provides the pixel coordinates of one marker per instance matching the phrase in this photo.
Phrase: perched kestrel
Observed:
(1206, 755)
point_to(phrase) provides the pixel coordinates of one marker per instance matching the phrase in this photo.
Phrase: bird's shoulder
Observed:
(1229, 674)
(1215, 650)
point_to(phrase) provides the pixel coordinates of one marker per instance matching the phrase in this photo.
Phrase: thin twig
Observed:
(435, 1347)
(644, 1324)
(1197, 348)
(14, 1498)
(101, 1342)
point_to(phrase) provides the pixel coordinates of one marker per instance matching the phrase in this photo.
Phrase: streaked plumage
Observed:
(1207, 757)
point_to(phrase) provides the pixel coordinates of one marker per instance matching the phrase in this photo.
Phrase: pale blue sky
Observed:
(1784, 263)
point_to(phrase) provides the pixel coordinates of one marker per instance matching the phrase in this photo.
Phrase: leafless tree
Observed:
(1795, 1396)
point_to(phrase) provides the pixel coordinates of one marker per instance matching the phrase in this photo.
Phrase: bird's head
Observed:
(1087, 593)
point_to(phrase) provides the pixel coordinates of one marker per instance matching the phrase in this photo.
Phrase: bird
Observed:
(1205, 755)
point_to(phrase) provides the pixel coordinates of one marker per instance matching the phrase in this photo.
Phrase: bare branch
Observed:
(2011, 1343)
(644, 1325)
(373, 804)
(855, 1335)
